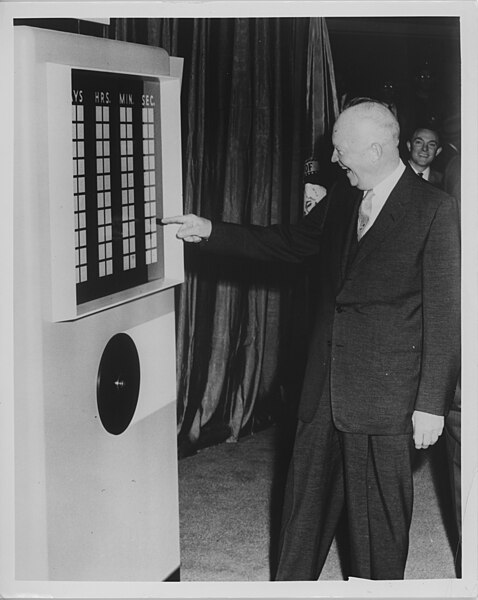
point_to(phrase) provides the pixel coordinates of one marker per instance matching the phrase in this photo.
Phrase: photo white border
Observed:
(449, 588)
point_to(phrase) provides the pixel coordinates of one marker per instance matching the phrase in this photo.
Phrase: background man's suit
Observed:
(386, 342)
(435, 178)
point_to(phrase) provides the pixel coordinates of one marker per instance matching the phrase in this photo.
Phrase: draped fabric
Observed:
(246, 133)
(321, 98)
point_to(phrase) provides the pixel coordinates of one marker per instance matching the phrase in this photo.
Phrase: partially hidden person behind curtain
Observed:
(384, 353)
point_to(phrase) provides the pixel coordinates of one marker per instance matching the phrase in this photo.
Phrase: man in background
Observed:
(424, 146)
(383, 355)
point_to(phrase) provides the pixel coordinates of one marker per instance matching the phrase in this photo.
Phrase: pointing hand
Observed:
(193, 228)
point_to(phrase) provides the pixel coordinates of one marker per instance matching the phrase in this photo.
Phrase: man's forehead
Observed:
(342, 129)
(425, 134)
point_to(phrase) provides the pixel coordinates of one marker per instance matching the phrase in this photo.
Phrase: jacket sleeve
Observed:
(288, 243)
(441, 342)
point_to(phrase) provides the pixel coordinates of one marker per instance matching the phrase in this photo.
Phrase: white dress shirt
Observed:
(426, 172)
(381, 192)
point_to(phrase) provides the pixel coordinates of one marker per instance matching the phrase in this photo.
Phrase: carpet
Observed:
(229, 502)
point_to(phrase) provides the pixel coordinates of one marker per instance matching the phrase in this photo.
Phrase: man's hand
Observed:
(193, 228)
(427, 428)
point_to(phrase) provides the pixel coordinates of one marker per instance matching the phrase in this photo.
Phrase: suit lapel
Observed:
(392, 212)
(345, 231)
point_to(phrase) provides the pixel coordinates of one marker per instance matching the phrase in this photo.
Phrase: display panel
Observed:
(117, 181)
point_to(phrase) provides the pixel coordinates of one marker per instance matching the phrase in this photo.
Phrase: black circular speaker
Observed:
(117, 385)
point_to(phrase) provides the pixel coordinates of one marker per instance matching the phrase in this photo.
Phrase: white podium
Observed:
(97, 161)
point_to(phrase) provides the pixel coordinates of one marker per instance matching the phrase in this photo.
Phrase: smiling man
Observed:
(383, 357)
(424, 146)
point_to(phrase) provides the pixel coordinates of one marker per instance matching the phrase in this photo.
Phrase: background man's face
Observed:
(424, 147)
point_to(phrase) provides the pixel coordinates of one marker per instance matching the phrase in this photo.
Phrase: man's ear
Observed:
(409, 146)
(438, 151)
(376, 151)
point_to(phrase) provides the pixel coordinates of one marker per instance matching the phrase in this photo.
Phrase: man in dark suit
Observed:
(424, 146)
(384, 353)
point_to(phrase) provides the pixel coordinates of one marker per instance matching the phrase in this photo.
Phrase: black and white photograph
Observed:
(240, 279)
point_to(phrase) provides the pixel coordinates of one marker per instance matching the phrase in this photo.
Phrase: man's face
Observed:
(351, 152)
(423, 147)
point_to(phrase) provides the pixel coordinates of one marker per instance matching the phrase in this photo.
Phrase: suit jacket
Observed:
(435, 178)
(388, 322)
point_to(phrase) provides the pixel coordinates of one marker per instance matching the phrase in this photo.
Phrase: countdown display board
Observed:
(117, 181)
(97, 162)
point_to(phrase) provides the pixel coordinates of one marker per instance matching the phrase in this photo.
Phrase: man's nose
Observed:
(334, 158)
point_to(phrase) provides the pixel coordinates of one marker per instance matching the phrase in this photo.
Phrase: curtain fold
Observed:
(255, 96)
(321, 101)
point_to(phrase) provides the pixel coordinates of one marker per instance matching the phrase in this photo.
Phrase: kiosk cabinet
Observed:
(97, 162)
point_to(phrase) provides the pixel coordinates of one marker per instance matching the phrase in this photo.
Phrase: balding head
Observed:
(365, 138)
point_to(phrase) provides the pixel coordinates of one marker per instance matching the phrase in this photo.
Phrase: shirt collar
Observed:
(426, 172)
(384, 188)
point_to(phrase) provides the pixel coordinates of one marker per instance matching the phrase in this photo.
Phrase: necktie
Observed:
(420, 174)
(365, 211)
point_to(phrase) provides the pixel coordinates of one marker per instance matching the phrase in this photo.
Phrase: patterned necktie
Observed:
(365, 211)
(420, 174)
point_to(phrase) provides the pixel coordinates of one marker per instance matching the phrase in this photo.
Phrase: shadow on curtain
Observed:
(258, 95)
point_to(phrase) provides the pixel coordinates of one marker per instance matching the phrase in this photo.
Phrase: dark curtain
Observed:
(257, 99)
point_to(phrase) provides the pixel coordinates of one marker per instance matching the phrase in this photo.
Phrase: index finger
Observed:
(178, 220)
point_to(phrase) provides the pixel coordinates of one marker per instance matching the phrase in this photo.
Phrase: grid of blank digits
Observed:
(103, 191)
(127, 187)
(149, 186)
(78, 121)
